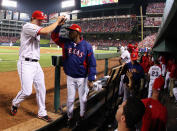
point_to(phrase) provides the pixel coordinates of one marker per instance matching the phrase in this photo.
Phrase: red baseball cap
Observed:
(158, 83)
(75, 27)
(134, 56)
(38, 15)
(130, 46)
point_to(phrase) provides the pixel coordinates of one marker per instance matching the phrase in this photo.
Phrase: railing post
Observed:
(57, 88)
(106, 67)
(57, 62)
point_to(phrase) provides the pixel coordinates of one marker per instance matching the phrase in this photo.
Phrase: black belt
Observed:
(32, 60)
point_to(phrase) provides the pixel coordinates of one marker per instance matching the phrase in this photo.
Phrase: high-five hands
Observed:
(61, 20)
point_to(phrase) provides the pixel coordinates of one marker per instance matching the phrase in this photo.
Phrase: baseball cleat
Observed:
(69, 123)
(45, 118)
(80, 121)
(13, 110)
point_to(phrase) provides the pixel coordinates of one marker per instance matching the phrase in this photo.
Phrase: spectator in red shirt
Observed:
(146, 65)
(136, 48)
(145, 62)
(145, 57)
(155, 117)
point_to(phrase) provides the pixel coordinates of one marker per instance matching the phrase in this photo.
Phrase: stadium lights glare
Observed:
(68, 3)
(9, 3)
(75, 11)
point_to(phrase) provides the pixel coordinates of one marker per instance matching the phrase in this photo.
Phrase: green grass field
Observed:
(8, 58)
(42, 41)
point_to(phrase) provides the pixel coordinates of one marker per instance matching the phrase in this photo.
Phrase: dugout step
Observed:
(38, 124)
(33, 124)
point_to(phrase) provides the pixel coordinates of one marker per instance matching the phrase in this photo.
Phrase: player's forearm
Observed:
(48, 29)
(55, 35)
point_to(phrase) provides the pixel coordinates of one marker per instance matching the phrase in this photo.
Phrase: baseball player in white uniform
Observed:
(125, 58)
(154, 72)
(29, 69)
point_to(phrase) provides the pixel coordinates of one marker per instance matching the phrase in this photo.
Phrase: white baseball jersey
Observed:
(154, 71)
(30, 42)
(125, 56)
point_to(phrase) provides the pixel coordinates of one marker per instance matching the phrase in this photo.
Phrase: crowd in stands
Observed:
(6, 39)
(148, 41)
(152, 21)
(155, 8)
(108, 25)
(109, 43)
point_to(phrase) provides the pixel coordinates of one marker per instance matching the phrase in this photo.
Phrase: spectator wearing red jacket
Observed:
(155, 117)
(145, 62)
(130, 48)
(136, 48)
(146, 65)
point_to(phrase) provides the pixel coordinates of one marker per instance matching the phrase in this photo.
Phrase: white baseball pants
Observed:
(73, 84)
(163, 69)
(150, 88)
(167, 78)
(29, 73)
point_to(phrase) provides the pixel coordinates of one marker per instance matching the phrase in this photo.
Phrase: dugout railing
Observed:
(57, 61)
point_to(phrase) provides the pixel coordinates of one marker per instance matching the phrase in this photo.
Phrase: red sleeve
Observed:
(55, 37)
(146, 120)
(39, 31)
(145, 101)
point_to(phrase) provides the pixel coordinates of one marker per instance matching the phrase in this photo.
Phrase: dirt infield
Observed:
(10, 85)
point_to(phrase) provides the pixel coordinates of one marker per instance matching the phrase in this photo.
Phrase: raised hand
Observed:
(61, 20)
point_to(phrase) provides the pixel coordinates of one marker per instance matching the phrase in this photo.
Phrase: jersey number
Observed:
(155, 73)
